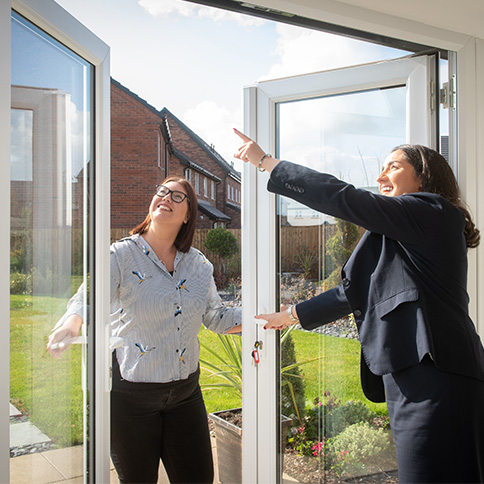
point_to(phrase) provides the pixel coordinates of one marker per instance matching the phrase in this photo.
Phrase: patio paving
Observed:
(60, 465)
(25, 438)
(64, 466)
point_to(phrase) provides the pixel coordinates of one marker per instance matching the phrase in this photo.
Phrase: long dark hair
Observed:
(437, 177)
(184, 239)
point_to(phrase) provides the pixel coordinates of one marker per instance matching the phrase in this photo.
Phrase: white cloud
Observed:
(164, 8)
(214, 123)
(303, 51)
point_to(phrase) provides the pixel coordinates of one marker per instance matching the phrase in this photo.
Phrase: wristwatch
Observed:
(289, 311)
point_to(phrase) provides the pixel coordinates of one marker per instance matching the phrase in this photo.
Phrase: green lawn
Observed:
(45, 389)
(49, 390)
(338, 371)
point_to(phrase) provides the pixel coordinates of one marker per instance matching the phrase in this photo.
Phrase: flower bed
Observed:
(340, 441)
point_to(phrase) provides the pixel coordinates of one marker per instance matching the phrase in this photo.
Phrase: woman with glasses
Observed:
(162, 291)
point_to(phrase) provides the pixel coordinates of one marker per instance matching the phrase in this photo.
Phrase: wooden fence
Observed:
(198, 238)
(293, 240)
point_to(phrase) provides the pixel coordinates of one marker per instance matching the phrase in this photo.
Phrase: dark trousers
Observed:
(167, 423)
(437, 421)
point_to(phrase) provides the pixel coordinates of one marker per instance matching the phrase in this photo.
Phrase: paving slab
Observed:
(33, 469)
(14, 412)
(25, 434)
(69, 461)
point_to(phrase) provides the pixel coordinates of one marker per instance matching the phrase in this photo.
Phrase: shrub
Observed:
(293, 397)
(356, 446)
(339, 248)
(305, 260)
(352, 412)
(20, 283)
(222, 242)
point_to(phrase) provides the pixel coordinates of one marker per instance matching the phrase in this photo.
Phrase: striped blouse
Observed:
(162, 313)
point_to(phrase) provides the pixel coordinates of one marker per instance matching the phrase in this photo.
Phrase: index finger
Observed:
(241, 135)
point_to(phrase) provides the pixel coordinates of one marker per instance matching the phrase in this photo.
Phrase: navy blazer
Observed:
(405, 282)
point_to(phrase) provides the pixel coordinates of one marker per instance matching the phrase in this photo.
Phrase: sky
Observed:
(196, 60)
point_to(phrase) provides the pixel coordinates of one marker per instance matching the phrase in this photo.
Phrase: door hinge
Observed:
(448, 94)
(432, 96)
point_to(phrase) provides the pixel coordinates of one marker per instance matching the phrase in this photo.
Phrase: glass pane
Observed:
(50, 153)
(334, 432)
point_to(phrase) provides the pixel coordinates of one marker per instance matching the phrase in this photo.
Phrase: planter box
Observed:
(229, 445)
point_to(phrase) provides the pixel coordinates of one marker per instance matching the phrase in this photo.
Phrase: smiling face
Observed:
(164, 210)
(398, 176)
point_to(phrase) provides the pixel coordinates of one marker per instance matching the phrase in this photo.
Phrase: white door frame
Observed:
(56, 22)
(260, 432)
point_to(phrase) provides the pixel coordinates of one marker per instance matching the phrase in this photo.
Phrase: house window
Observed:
(205, 187)
(213, 190)
(188, 175)
(228, 192)
(197, 183)
(298, 214)
(218, 224)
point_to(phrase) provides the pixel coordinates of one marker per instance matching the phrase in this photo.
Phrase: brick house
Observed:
(146, 146)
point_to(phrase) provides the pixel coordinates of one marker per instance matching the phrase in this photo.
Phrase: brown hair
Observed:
(184, 239)
(437, 177)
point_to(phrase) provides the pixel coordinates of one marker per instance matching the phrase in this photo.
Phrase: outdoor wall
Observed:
(183, 142)
(136, 148)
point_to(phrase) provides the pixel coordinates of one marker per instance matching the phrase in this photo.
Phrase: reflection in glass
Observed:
(335, 433)
(50, 152)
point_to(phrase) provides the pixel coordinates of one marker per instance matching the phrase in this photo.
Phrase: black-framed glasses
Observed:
(176, 196)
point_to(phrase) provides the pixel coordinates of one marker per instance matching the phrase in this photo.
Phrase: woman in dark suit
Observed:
(405, 284)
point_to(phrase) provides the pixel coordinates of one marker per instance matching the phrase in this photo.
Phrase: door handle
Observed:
(70, 341)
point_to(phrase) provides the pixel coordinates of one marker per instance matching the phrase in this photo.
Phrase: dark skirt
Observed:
(437, 420)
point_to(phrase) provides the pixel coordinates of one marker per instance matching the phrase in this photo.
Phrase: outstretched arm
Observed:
(252, 153)
(279, 320)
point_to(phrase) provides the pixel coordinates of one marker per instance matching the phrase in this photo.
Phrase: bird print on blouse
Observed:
(144, 349)
(181, 285)
(142, 277)
(178, 310)
(122, 314)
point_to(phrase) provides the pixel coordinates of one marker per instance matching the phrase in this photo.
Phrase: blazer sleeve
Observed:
(410, 218)
(323, 308)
